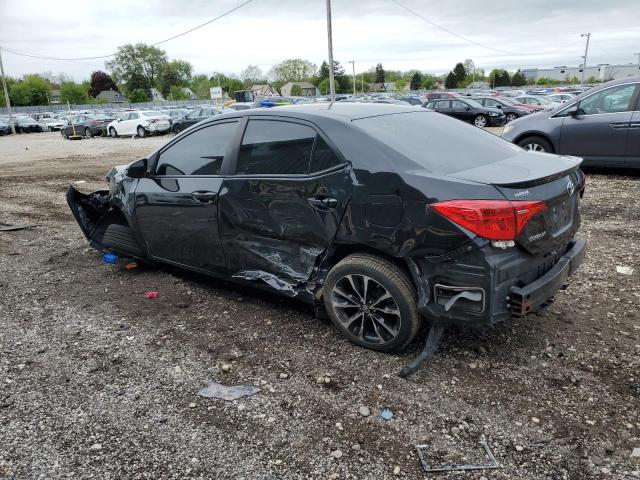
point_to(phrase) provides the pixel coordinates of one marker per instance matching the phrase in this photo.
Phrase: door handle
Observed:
(326, 203)
(619, 125)
(205, 197)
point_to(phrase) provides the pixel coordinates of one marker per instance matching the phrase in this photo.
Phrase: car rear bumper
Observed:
(493, 285)
(531, 297)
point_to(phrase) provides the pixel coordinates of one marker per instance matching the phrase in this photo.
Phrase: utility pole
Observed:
(6, 95)
(638, 55)
(353, 64)
(332, 82)
(586, 52)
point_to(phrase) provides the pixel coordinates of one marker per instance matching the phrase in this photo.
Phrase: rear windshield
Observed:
(438, 143)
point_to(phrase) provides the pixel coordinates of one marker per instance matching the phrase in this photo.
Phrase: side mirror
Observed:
(574, 111)
(499, 106)
(137, 169)
(467, 109)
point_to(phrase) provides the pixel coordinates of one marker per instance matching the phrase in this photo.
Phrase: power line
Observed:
(44, 57)
(468, 40)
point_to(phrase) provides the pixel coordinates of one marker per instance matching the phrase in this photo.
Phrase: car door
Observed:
(121, 124)
(461, 110)
(282, 203)
(132, 123)
(633, 141)
(599, 129)
(443, 106)
(176, 206)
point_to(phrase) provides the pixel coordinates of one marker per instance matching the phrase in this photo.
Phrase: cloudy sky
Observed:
(518, 33)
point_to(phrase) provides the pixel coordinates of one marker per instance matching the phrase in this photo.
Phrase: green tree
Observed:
(416, 81)
(400, 84)
(101, 81)
(505, 79)
(380, 74)
(200, 85)
(73, 93)
(323, 86)
(31, 90)
(175, 73)
(459, 73)
(176, 93)
(469, 67)
(138, 95)
(450, 81)
(292, 70)
(228, 84)
(518, 80)
(138, 66)
(296, 90)
(252, 75)
(323, 73)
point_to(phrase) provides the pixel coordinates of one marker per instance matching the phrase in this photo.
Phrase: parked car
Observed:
(5, 128)
(602, 125)
(469, 111)
(387, 215)
(25, 124)
(560, 97)
(54, 123)
(538, 100)
(238, 106)
(140, 123)
(192, 118)
(415, 101)
(438, 95)
(86, 125)
(511, 110)
(175, 113)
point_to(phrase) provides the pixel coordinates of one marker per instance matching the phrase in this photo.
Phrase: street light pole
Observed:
(586, 51)
(6, 95)
(332, 84)
(353, 64)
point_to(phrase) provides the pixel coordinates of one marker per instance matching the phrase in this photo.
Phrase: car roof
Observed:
(341, 111)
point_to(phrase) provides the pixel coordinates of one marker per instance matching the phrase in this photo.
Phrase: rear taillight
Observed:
(491, 219)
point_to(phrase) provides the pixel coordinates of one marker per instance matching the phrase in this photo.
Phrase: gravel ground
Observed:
(98, 382)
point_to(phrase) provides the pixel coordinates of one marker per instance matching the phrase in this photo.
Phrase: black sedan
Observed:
(192, 118)
(510, 108)
(26, 124)
(469, 111)
(87, 125)
(5, 128)
(388, 216)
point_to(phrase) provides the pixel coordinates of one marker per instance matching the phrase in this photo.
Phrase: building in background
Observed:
(111, 96)
(602, 72)
(308, 89)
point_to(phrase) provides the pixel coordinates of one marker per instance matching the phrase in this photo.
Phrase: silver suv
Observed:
(602, 125)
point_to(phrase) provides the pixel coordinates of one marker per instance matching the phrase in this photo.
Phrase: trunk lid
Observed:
(531, 176)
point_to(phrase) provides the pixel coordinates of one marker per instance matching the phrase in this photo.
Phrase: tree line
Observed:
(136, 69)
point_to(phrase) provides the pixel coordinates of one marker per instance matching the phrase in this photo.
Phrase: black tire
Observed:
(481, 121)
(113, 133)
(65, 135)
(87, 133)
(536, 144)
(120, 238)
(140, 131)
(176, 129)
(387, 278)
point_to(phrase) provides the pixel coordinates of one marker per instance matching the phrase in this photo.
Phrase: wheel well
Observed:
(540, 135)
(344, 250)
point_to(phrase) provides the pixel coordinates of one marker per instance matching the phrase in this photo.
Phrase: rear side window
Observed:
(274, 147)
(437, 143)
(323, 157)
(612, 100)
(199, 153)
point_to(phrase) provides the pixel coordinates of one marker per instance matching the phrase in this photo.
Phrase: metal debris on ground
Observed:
(386, 414)
(229, 393)
(110, 258)
(151, 294)
(454, 467)
(131, 265)
(6, 227)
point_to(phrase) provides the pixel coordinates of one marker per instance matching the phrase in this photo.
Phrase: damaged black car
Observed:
(387, 216)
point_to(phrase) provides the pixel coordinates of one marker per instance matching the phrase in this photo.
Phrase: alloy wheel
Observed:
(536, 147)
(480, 121)
(112, 132)
(511, 117)
(366, 309)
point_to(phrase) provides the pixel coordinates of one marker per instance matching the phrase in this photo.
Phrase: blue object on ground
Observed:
(110, 258)
(386, 414)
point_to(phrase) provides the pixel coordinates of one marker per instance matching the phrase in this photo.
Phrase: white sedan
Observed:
(140, 123)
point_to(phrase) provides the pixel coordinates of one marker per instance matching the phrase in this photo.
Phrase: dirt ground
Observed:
(96, 381)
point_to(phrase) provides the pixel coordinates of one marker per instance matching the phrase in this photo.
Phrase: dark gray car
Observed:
(601, 125)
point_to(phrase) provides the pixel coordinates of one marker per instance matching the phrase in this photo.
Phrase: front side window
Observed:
(274, 147)
(612, 100)
(458, 105)
(199, 153)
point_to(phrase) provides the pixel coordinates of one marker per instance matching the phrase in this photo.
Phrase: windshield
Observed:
(506, 101)
(434, 141)
(473, 103)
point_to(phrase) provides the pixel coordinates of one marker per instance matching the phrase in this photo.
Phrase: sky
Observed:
(539, 33)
